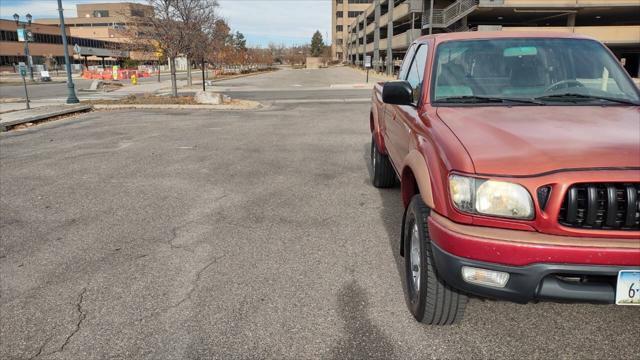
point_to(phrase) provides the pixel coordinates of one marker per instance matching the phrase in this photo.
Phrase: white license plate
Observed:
(628, 288)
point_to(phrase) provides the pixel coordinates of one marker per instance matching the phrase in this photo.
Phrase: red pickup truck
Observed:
(518, 157)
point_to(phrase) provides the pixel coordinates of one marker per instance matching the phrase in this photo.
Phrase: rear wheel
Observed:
(429, 299)
(382, 174)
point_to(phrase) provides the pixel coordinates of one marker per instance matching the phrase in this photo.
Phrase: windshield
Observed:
(543, 70)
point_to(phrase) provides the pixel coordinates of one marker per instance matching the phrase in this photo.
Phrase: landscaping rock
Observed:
(209, 97)
(96, 85)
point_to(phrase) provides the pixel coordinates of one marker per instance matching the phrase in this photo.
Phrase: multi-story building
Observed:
(387, 27)
(46, 47)
(107, 22)
(343, 13)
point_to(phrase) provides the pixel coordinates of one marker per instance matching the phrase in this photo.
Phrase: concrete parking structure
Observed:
(386, 28)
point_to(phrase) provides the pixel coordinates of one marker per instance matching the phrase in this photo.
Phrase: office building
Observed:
(106, 22)
(46, 47)
(343, 13)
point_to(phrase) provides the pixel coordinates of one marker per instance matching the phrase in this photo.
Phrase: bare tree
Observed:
(178, 27)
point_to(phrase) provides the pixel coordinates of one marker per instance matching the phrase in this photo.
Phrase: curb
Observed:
(199, 83)
(255, 106)
(39, 117)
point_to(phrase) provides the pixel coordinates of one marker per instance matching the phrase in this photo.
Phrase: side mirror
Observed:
(397, 92)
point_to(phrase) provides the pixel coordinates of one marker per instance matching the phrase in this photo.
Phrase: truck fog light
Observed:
(484, 277)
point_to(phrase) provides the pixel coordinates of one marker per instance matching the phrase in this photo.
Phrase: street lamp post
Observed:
(431, 18)
(16, 17)
(71, 96)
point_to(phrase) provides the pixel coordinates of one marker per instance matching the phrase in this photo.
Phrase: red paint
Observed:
(529, 145)
(519, 254)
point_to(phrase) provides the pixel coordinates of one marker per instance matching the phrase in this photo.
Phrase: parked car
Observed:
(518, 157)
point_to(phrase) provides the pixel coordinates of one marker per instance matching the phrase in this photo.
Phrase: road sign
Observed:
(367, 61)
(25, 35)
(23, 69)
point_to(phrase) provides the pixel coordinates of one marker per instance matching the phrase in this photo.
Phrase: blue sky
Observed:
(261, 21)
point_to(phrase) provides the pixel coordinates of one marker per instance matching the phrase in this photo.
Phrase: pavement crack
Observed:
(81, 316)
(194, 283)
(174, 236)
(41, 348)
(189, 294)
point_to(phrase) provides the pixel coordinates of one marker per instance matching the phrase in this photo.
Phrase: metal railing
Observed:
(452, 13)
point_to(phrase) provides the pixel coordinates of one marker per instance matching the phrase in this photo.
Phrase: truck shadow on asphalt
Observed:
(364, 339)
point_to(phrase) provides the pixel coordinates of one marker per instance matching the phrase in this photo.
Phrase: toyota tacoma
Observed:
(518, 158)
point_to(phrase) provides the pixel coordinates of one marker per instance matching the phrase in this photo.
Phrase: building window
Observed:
(8, 35)
(338, 27)
(339, 14)
(339, 42)
(353, 14)
(338, 1)
(360, 1)
(137, 12)
(101, 13)
(339, 55)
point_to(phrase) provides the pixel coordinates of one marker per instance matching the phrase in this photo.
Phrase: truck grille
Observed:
(607, 206)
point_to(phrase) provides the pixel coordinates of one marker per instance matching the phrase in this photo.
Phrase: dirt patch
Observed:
(147, 99)
(44, 121)
(111, 86)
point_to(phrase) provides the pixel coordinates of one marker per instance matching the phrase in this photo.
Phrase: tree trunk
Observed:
(174, 83)
(189, 78)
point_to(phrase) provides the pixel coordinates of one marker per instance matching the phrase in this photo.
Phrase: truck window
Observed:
(405, 63)
(416, 72)
(529, 68)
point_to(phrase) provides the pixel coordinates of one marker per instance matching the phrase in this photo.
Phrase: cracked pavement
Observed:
(194, 234)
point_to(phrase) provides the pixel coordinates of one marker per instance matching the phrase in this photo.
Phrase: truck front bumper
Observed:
(577, 271)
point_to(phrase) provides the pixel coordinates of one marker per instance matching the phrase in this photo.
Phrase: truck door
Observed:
(403, 120)
(389, 125)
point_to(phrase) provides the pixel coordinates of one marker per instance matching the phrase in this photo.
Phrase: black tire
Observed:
(432, 301)
(382, 173)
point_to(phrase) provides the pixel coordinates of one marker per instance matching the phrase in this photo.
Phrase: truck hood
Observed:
(529, 140)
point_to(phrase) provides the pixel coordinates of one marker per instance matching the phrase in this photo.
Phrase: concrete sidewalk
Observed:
(150, 87)
(39, 113)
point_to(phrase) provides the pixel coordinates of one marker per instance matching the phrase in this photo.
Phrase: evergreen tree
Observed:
(317, 44)
(240, 41)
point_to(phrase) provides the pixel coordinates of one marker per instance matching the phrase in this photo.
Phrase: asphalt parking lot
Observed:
(246, 234)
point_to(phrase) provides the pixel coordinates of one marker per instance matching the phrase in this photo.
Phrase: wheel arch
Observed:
(415, 179)
(374, 126)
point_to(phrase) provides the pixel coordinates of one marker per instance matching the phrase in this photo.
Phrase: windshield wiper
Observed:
(488, 99)
(576, 96)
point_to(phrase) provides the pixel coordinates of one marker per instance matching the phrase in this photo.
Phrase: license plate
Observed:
(628, 288)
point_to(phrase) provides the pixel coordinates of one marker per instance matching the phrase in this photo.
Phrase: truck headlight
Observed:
(490, 197)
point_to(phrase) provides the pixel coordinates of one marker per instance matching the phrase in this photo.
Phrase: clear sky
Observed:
(261, 21)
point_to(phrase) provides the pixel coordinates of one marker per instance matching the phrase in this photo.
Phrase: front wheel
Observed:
(429, 299)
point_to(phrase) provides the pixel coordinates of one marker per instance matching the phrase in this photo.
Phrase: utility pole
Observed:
(71, 96)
